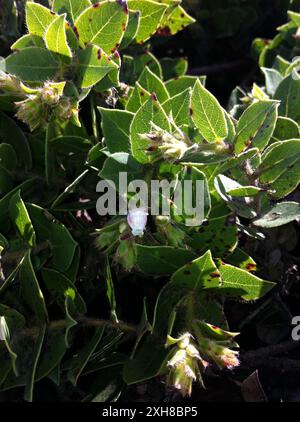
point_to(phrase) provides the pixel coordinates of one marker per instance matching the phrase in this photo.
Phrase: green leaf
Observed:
(56, 38)
(177, 85)
(151, 111)
(79, 362)
(10, 133)
(20, 217)
(288, 92)
(190, 279)
(279, 215)
(241, 259)
(132, 29)
(285, 129)
(174, 22)
(112, 79)
(93, 66)
(103, 24)
(38, 18)
(32, 64)
(273, 79)
(61, 242)
(218, 233)
(179, 107)
(146, 363)
(239, 204)
(280, 167)
(8, 157)
(73, 8)
(207, 114)
(60, 287)
(28, 40)
(151, 83)
(151, 15)
(173, 67)
(137, 98)
(116, 129)
(30, 289)
(30, 382)
(121, 162)
(160, 260)
(26, 187)
(240, 283)
(256, 125)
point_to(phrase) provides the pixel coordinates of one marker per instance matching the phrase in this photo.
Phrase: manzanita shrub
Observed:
(82, 100)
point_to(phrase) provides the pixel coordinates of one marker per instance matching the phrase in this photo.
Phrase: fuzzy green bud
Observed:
(31, 112)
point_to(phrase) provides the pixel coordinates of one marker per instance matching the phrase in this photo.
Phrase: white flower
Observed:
(137, 220)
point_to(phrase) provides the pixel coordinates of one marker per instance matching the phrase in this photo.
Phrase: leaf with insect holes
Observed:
(103, 24)
(56, 38)
(151, 111)
(38, 18)
(207, 114)
(280, 167)
(93, 66)
(256, 125)
(151, 15)
(73, 8)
